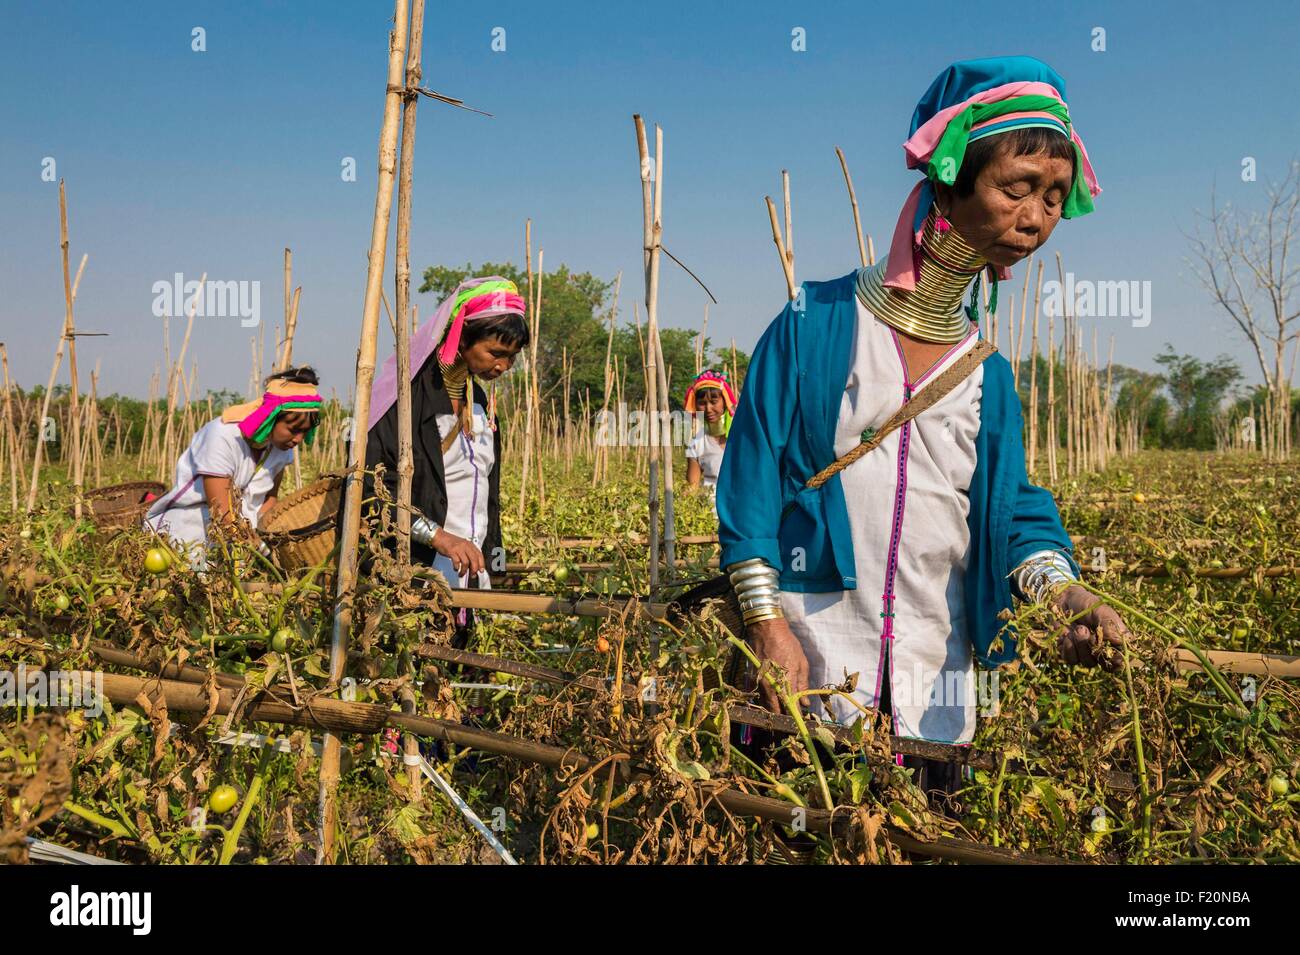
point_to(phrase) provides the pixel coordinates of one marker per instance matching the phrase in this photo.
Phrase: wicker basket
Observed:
(726, 608)
(303, 527)
(122, 505)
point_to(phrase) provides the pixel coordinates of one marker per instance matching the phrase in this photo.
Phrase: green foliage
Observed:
(1197, 390)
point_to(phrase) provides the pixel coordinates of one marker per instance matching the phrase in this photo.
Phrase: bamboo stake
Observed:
(787, 263)
(45, 402)
(853, 201)
(281, 353)
(665, 435)
(174, 380)
(1052, 436)
(401, 305)
(536, 388)
(70, 332)
(651, 200)
(1024, 301)
(1033, 377)
(11, 434)
(292, 327)
(601, 470)
(350, 530)
(530, 370)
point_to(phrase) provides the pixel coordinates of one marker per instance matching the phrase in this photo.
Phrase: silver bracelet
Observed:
(1040, 572)
(757, 585)
(423, 531)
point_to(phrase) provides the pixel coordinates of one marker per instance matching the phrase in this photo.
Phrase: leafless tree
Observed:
(1246, 265)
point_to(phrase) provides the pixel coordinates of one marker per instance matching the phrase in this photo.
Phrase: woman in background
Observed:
(709, 396)
(244, 452)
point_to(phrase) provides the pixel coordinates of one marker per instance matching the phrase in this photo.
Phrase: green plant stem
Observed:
(112, 825)
(792, 705)
(1137, 748)
(1210, 669)
(231, 842)
(997, 798)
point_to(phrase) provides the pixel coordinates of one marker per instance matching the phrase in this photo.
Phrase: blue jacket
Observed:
(784, 433)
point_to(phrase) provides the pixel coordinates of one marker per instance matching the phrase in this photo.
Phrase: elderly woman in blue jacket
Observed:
(899, 567)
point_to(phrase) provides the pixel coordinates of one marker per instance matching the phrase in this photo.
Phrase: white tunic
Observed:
(467, 465)
(705, 449)
(908, 501)
(218, 450)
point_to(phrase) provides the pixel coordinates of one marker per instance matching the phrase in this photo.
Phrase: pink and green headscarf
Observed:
(719, 381)
(968, 101)
(256, 419)
(473, 299)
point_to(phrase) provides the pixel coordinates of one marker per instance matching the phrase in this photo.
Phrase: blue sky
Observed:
(178, 161)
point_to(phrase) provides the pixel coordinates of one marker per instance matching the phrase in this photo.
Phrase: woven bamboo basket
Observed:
(718, 595)
(302, 528)
(122, 505)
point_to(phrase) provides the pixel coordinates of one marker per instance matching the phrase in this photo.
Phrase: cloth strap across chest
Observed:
(929, 396)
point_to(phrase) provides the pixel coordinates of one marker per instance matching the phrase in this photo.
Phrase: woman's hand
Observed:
(1096, 637)
(464, 556)
(773, 642)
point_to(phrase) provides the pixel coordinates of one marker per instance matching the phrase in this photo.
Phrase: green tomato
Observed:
(281, 640)
(223, 799)
(155, 562)
(1279, 785)
(62, 601)
(560, 573)
(1240, 633)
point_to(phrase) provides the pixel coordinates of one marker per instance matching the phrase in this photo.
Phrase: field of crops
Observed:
(624, 736)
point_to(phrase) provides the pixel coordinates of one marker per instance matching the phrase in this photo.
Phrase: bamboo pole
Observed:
(601, 470)
(70, 332)
(530, 370)
(173, 382)
(350, 530)
(45, 402)
(853, 201)
(665, 429)
(287, 355)
(1052, 435)
(402, 304)
(337, 716)
(1020, 337)
(11, 435)
(282, 350)
(787, 260)
(534, 379)
(1033, 377)
(652, 234)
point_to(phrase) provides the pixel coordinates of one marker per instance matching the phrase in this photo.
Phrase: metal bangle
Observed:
(1040, 572)
(771, 613)
(423, 531)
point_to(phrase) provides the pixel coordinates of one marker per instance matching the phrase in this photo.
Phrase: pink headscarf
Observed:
(460, 306)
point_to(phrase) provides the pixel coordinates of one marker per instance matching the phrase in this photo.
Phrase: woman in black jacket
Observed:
(456, 447)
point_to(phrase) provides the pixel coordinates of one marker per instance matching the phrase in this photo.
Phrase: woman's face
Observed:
(1014, 207)
(290, 430)
(489, 358)
(710, 401)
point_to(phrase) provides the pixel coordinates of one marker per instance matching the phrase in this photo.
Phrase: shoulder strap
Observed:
(928, 396)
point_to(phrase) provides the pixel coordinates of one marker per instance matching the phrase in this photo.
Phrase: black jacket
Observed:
(429, 484)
